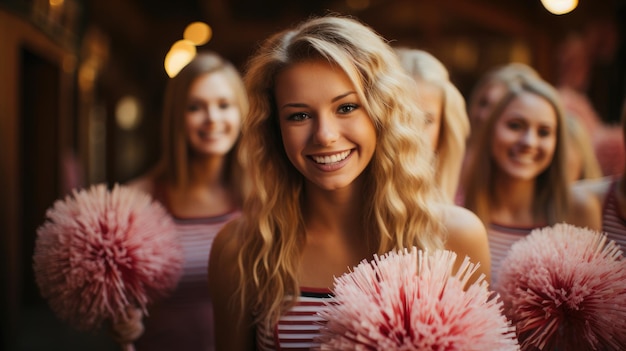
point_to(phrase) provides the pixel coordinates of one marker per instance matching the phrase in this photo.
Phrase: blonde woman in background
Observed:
(485, 94)
(198, 179)
(517, 177)
(447, 123)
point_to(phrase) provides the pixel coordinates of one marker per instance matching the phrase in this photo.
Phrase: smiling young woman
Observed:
(199, 181)
(516, 178)
(340, 170)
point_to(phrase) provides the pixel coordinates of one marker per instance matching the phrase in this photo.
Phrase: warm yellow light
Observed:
(55, 3)
(559, 7)
(198, 33)
(128, 113)
(180, 54)
(184, 45)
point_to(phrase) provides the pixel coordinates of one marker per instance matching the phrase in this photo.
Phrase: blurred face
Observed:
(212, 117)
(524, 137)
(430, 100)
(327, 134)
(486, 99)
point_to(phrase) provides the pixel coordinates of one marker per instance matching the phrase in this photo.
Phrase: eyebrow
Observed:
(335, 99)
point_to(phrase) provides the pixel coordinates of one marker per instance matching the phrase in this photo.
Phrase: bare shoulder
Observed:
(467, 236)
(143, 183)
(461, 222)
(586, 208)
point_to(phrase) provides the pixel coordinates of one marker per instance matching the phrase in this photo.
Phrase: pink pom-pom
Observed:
(564, 288)
(100, 251)
(412, 301)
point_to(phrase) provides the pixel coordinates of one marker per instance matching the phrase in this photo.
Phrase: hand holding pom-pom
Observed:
(126, 329)
(412, 301)
(102, 252)
(564, 288)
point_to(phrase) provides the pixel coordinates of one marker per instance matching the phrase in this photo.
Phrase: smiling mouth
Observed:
(524, 159)
(330, 159)
(210, 135)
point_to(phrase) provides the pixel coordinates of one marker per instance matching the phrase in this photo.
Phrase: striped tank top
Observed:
(501, 238)
(299, 328)
(184, 320)
(613, 224)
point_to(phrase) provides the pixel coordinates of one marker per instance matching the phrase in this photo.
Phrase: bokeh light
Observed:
(560, 7)
(128, 113)
(180, 54)
(198, 33)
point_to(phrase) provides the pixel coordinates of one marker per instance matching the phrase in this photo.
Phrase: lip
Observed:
(523, 159)
(329, 167)
(210, 135)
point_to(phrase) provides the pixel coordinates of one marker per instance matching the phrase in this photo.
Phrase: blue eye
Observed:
(300, 116)
(347, 108)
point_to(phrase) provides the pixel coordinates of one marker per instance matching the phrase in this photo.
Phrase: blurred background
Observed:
(81, 85)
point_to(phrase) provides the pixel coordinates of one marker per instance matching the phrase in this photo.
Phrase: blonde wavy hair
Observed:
(551, 199)
(455, 127)
(398, 210)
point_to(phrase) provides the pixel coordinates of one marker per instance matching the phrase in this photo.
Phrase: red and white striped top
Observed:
(613, 224)
(501, 238)
(299, 328)
(184, 320)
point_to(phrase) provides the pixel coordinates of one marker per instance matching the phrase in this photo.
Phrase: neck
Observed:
(206, 172)
(334, 212)
(513, 202)
(205, 193)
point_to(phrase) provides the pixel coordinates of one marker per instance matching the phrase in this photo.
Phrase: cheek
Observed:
(500, 144)
(293, 142)
(368, 133)
(192, 120)
(234, 119)
(501, 135)
(549, 147)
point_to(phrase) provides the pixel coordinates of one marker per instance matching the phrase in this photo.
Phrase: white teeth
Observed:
(524, 159)
(332, 158)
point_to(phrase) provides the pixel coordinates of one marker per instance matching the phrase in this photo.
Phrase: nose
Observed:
(211, 113)
(529, 138)
(326, 130)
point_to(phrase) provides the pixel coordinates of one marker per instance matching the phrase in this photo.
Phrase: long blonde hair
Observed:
(173, 167)
(583, 147)
(551, 197)
(455, 127)
(398, 210)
